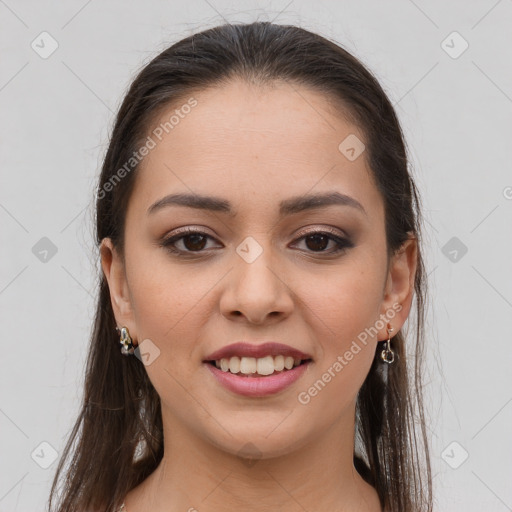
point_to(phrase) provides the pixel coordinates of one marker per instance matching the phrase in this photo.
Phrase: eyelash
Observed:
(168, 243)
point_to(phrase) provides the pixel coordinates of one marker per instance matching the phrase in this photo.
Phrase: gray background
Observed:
(455, 108)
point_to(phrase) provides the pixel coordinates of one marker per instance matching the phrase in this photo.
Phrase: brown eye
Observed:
(196, 242)
(192, 241)
(318, 242)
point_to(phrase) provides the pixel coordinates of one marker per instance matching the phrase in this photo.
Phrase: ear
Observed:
(114, 271)
(399, 288)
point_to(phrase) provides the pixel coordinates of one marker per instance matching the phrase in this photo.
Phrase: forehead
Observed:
(246, 140)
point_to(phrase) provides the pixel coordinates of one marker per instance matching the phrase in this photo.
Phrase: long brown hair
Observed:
(117, 440)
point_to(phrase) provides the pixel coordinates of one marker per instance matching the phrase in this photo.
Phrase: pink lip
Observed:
(243, 349)
(258, 385)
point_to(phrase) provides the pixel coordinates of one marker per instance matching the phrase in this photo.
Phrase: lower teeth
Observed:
(240, 374)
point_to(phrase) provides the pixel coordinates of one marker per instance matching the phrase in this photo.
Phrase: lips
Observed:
(243, 349)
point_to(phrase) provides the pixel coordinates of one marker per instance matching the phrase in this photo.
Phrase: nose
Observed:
(257, 291)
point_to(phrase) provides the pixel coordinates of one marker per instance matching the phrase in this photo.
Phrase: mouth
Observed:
(255, 385)
(257, 367)
(246, 359)
(257, 370)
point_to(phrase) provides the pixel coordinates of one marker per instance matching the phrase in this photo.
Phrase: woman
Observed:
(259, 236)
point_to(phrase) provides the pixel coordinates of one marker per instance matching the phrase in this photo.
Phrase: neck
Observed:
(194, 475)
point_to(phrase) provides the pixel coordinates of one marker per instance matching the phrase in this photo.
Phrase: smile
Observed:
(254, 384)
(261, 366)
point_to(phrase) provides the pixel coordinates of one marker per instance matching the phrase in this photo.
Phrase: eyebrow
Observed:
(286, 207)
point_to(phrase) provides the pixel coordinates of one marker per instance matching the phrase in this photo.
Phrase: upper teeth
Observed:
(262, 366)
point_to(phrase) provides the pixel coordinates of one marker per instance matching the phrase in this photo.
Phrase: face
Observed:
(260, 262)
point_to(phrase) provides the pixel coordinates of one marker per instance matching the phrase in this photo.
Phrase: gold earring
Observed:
(387, 355)
(125, 341)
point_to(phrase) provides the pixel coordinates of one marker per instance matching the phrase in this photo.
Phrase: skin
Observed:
(255, 146)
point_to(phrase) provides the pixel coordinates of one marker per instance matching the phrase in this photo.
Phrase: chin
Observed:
(257, 440)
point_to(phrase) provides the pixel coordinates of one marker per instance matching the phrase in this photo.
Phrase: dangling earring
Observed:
(125, 341)
(387, 355)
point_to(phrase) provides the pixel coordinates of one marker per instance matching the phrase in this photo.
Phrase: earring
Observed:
(387, 355)
(125, 341)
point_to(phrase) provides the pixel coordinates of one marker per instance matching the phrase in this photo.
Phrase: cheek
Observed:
(342, 313)
(164, 299)
(167, 309)
(345, 301)
(342, 330)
